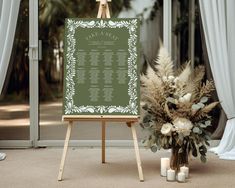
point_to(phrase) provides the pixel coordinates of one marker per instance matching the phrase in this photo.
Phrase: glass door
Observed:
(51, 30)
(31, 104)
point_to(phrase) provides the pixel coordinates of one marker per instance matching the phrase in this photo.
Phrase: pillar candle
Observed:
(181, 177)
(185, 170)
(165, 165)
(170, 175)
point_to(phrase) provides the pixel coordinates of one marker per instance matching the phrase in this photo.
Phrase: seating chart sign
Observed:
(101, 67)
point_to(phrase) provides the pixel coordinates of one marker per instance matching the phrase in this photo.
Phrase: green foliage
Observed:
(156, 6)
(154, 149)
(197, 130)
(197, 106)
(203, 99)
(203, 158)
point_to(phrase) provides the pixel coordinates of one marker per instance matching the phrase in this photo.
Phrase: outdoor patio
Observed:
(30, 168)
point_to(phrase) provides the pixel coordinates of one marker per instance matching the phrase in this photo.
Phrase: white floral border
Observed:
(132, 107)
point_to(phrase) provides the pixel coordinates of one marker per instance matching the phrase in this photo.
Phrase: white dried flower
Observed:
(171, 78)
(185, 98)
(164, 78)
(166, 129)
(181, 100)
(176, 80)
(183, 125)
(142, 103)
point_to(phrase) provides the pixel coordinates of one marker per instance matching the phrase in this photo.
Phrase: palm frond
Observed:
(185, 74)
(209, 107)
(198, 74)
(190, 87)
(207, 88)
(164, 64)
(150, 78)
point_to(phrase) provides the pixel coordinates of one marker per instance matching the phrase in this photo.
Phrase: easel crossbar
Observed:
(107, 118)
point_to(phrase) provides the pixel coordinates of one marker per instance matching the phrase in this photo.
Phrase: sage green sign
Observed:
(101, 67)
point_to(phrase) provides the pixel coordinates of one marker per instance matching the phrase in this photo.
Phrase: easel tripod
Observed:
(130, 120)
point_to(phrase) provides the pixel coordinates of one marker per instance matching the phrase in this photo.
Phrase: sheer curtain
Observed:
(8, 18)
(218, 18)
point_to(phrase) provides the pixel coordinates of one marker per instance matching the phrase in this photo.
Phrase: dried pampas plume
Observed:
(164, 64)
(185, 74)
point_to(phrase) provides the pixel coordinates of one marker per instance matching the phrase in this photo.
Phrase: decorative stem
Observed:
(178, 159)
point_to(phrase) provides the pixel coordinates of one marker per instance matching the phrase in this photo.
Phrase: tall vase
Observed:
(179, 157)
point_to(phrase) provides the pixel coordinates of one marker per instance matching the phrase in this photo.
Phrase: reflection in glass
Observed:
(14, 100)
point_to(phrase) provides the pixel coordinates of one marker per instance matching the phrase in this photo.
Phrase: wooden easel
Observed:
(130, 120)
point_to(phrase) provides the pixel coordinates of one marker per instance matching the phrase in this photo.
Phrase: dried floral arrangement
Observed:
(175, 109)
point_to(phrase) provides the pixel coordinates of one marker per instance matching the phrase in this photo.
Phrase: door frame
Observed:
(33, 71)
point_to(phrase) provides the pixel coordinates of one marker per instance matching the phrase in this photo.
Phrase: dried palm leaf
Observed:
(164, 64)
(209, 107)
(185, 74)
(151, 74)
(198, 74)
(190, 87)
(203, 113)
(207, 88)
(144, 79)
(166, 108)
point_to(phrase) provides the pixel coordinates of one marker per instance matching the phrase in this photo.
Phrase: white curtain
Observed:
(8, 18)
(218, 18)
(0, 8)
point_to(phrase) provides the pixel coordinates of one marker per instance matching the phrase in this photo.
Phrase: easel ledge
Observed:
(116, 118)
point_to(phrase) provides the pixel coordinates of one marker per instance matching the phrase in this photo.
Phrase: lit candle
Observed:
(165, 165)
(185, 170)
(181, 177)
(170, 175)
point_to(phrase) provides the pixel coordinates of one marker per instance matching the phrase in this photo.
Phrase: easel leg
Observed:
(103, 141)
(66, 143)
(137, 153)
